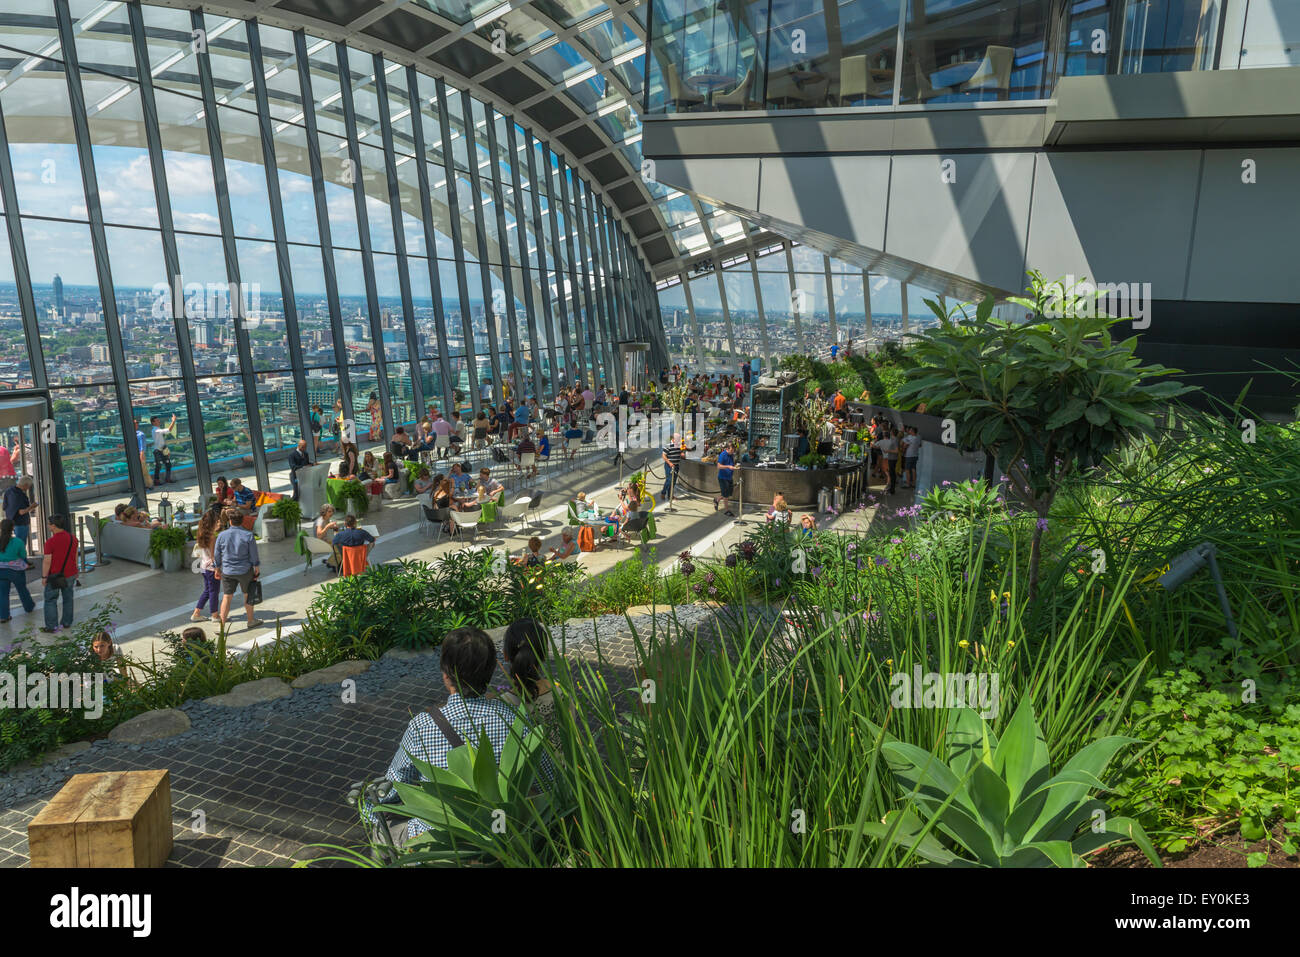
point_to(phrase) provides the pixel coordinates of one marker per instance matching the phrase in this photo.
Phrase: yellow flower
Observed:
(993, 596)
(1010, 645)
(963, 643)
(889, 661)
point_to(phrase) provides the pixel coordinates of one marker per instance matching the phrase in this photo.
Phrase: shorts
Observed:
(909, 462)
(229, 582)
(725, 487)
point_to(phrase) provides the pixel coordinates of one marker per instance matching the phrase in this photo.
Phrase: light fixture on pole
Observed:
(1188, 564)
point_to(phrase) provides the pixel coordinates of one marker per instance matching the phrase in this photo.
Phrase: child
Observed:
(534, 554)
(808, 525)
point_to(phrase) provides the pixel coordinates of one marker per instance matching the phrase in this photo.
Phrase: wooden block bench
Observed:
(113, 819)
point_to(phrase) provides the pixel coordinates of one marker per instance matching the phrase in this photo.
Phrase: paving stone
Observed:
(409, 654)
(330, 675)
(252, 692)
(150, 726)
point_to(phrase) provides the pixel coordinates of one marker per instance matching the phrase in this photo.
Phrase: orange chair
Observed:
(354, 559)
(249, 520)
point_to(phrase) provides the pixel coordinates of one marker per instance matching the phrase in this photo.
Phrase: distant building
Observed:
(58, 295)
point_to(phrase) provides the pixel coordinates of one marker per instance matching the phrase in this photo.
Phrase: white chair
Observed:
(516, 509)
(994, 71)
(316, 547)
(442, 444)
(573, 447)
(527, 462)
(463, 520)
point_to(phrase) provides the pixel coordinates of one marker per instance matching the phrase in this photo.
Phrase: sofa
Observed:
(126, 541)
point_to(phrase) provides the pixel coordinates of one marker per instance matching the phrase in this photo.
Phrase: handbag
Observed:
(60, 580)
(254, 593)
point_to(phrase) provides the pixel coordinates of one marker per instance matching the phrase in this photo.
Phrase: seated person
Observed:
(111, 655)
(628, 507)
(351, 535)
(533, 555)
(521, 419)
(423, 483)
(468, 660)
(400, 447)
(244, 497)
(222, 495)
(568, 545)
(138, 519)
(492, 485)
(527, 446)
(457, 431)
(462, 484)
(443, 495)
(807, 525)
(390, 469)
(586, 510)
(780, 511)
(117, 512)
(369, 468)
(544, 445)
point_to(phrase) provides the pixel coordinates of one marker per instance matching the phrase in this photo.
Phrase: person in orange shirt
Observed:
(838, 402)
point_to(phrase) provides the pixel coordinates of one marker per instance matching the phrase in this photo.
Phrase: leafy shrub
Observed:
(998, 801)
(289, 511)
(28, 732)
(971, 500)
(166, 538)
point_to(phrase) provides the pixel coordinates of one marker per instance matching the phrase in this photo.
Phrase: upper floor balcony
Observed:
(901, 55)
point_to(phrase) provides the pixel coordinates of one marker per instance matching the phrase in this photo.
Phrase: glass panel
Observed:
(225, 426)
(956, 52)
(143, 306)
(90, 435)
(74, 339)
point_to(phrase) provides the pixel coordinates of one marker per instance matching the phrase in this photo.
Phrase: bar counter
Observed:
(761, 483)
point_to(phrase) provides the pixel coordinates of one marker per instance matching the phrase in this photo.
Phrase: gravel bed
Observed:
(214, 723)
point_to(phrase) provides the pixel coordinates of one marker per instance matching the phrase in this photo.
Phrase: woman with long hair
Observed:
(13, 569)
(348, 468)
(368, 467)
(222, 492)
(205, 536)
(390, 469)
(525, 648)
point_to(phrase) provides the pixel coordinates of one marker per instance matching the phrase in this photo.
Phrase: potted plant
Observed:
(355, 496)
(167, 547)
(289, 513)
(813, 461)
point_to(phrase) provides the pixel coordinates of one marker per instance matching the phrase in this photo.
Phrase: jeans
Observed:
(670, 476)
(52, 605)
(293, 483)
(211, 591)
(15, 579)
(22, 533)
(161, 461)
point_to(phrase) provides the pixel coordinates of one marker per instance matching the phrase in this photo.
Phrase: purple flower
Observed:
(881, 561)
(861, 565)
(816, 571)
(914, 556)
(1042, 524)
(895, 541)
(945, 482)
(777, 583)
(713, 591)
(871, 617)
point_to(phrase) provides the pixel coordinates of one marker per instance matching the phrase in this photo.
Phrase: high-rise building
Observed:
(58, 295)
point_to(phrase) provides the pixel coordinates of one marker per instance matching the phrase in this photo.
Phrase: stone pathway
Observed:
(258, 783)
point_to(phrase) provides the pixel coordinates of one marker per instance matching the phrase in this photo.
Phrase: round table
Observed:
(708, 83)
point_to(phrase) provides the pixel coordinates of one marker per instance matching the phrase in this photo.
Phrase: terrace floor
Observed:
(275, 783)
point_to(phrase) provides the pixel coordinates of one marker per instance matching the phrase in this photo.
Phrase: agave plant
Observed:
(998, 800)
(478, 809)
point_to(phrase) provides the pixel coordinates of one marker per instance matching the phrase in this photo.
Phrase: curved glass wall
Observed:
(788, 54)
(251, 222)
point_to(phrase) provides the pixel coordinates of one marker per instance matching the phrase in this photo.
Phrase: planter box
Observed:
(173, 560)
(273, 529)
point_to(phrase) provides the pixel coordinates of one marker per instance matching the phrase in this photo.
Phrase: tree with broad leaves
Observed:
(1046, 398)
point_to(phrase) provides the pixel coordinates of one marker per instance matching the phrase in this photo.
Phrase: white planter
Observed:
(173, 560)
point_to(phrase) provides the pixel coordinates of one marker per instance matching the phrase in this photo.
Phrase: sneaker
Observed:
(254, 623)
(715, 504)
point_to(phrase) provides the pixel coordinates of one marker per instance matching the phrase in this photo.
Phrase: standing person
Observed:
(237, 564)
(205, 537)
(376, 418)
(911, 452)
(298, 460)
(888, 446)
(672, 459)
(18, 508)
(13, 570)
(162, 456)
(317, 419)
(726, 473)
(140, 447)
(59, 573)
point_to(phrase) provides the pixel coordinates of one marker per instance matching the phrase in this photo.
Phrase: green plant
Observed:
(813, 461)
(289, 512)
(28, 732)
(166, 538)
(479, 810)
(971, 500)
(353, 491)
(998, 800)
(1046, 398)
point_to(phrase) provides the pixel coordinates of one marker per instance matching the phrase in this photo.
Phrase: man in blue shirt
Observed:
(521, 419)
(351, 535)
(244, 497)
(237, 563)
(726, 474)
(835, 351)
(460, 479)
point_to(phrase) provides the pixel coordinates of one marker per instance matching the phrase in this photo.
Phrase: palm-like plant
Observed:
(999, 801)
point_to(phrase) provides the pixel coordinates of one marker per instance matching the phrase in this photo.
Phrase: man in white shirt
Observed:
(162, 457)
(911, 452)
(888, 446)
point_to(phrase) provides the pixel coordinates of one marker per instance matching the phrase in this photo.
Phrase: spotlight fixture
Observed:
(1188, 564)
